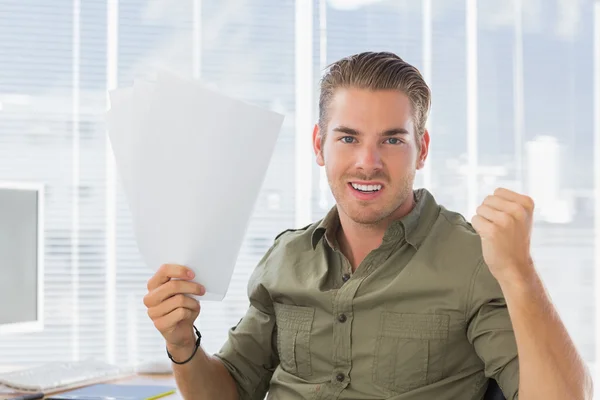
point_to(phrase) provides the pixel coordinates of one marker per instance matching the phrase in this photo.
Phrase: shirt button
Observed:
(342, 318)
(345, 277)
(340, 377)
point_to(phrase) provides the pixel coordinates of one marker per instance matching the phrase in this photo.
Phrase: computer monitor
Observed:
(21, 257)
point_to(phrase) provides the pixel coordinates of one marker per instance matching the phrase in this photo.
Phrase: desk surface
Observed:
(167, 379)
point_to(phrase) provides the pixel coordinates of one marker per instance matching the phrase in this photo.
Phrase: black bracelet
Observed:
(195, 349)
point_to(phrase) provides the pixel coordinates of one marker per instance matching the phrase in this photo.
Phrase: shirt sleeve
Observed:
(250, 352)
(490, 331)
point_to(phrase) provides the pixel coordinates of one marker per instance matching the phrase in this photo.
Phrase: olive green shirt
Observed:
(421, 317)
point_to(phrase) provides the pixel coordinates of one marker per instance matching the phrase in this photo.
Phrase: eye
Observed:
(347, 139)
(393, 140)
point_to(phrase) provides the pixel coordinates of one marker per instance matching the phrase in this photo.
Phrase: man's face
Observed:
(370, 152)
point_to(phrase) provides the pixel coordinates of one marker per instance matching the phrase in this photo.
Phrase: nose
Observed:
(369, 158)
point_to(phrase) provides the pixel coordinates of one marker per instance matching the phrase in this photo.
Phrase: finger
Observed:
(492, 214)
(513, 208)
(172, 303)
(481, 225)
(168, 271)
(523, 200)
(170, 289)
(173, 318)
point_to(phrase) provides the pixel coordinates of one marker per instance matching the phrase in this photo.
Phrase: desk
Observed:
(167, 379)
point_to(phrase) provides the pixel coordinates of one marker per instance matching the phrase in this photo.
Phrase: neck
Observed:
(357, 240)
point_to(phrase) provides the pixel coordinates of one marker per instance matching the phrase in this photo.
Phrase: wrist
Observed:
(521, 277)
(185, 350)
(522, 289)
(181, 351)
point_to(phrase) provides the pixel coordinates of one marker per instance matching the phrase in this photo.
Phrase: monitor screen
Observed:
(21, 257)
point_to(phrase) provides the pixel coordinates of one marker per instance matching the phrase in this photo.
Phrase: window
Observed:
(513, 104)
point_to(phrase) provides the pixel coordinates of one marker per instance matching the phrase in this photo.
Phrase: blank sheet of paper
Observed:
(192, 162)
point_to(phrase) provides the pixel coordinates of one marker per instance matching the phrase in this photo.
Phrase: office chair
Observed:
(493, 392)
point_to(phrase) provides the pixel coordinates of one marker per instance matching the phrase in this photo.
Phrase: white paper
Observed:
(192, 162)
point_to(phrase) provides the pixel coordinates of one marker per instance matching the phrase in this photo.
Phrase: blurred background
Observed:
(516, 103)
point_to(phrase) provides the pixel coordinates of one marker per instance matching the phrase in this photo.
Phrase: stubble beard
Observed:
(371, 212)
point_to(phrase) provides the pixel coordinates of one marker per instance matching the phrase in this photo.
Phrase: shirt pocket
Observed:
(294, 324)
(410, 350)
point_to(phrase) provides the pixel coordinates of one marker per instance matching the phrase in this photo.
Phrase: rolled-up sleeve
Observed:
(250, 352)
(491, 332)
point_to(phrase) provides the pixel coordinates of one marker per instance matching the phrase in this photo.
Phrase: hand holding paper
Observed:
(192, 162)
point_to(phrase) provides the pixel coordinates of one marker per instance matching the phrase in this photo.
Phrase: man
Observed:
(390, 296)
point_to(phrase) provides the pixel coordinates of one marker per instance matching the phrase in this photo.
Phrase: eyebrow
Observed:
(353, 132)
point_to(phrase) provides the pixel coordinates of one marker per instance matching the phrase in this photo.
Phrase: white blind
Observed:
(36, 136)
(51, 55)
(54, 66)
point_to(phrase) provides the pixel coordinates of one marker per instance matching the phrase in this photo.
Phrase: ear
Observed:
(317, 145)
(424, 150)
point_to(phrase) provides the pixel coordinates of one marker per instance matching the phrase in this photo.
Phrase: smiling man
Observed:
(391, 295)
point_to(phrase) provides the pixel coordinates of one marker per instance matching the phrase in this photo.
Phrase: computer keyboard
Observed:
(54, 377)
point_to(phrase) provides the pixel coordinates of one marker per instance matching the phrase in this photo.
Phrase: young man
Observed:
(390, 296)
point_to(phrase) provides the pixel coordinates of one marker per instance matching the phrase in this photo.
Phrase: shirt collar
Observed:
(328, 227)
(413, 227)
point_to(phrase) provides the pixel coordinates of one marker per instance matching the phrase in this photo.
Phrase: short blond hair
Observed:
(376, 71)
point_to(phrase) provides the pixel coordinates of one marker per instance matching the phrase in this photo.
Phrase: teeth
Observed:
(366, 188)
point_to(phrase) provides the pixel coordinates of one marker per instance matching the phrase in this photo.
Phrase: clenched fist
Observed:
(504, 221)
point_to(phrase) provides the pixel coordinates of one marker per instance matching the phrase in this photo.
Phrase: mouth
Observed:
(366, 188)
